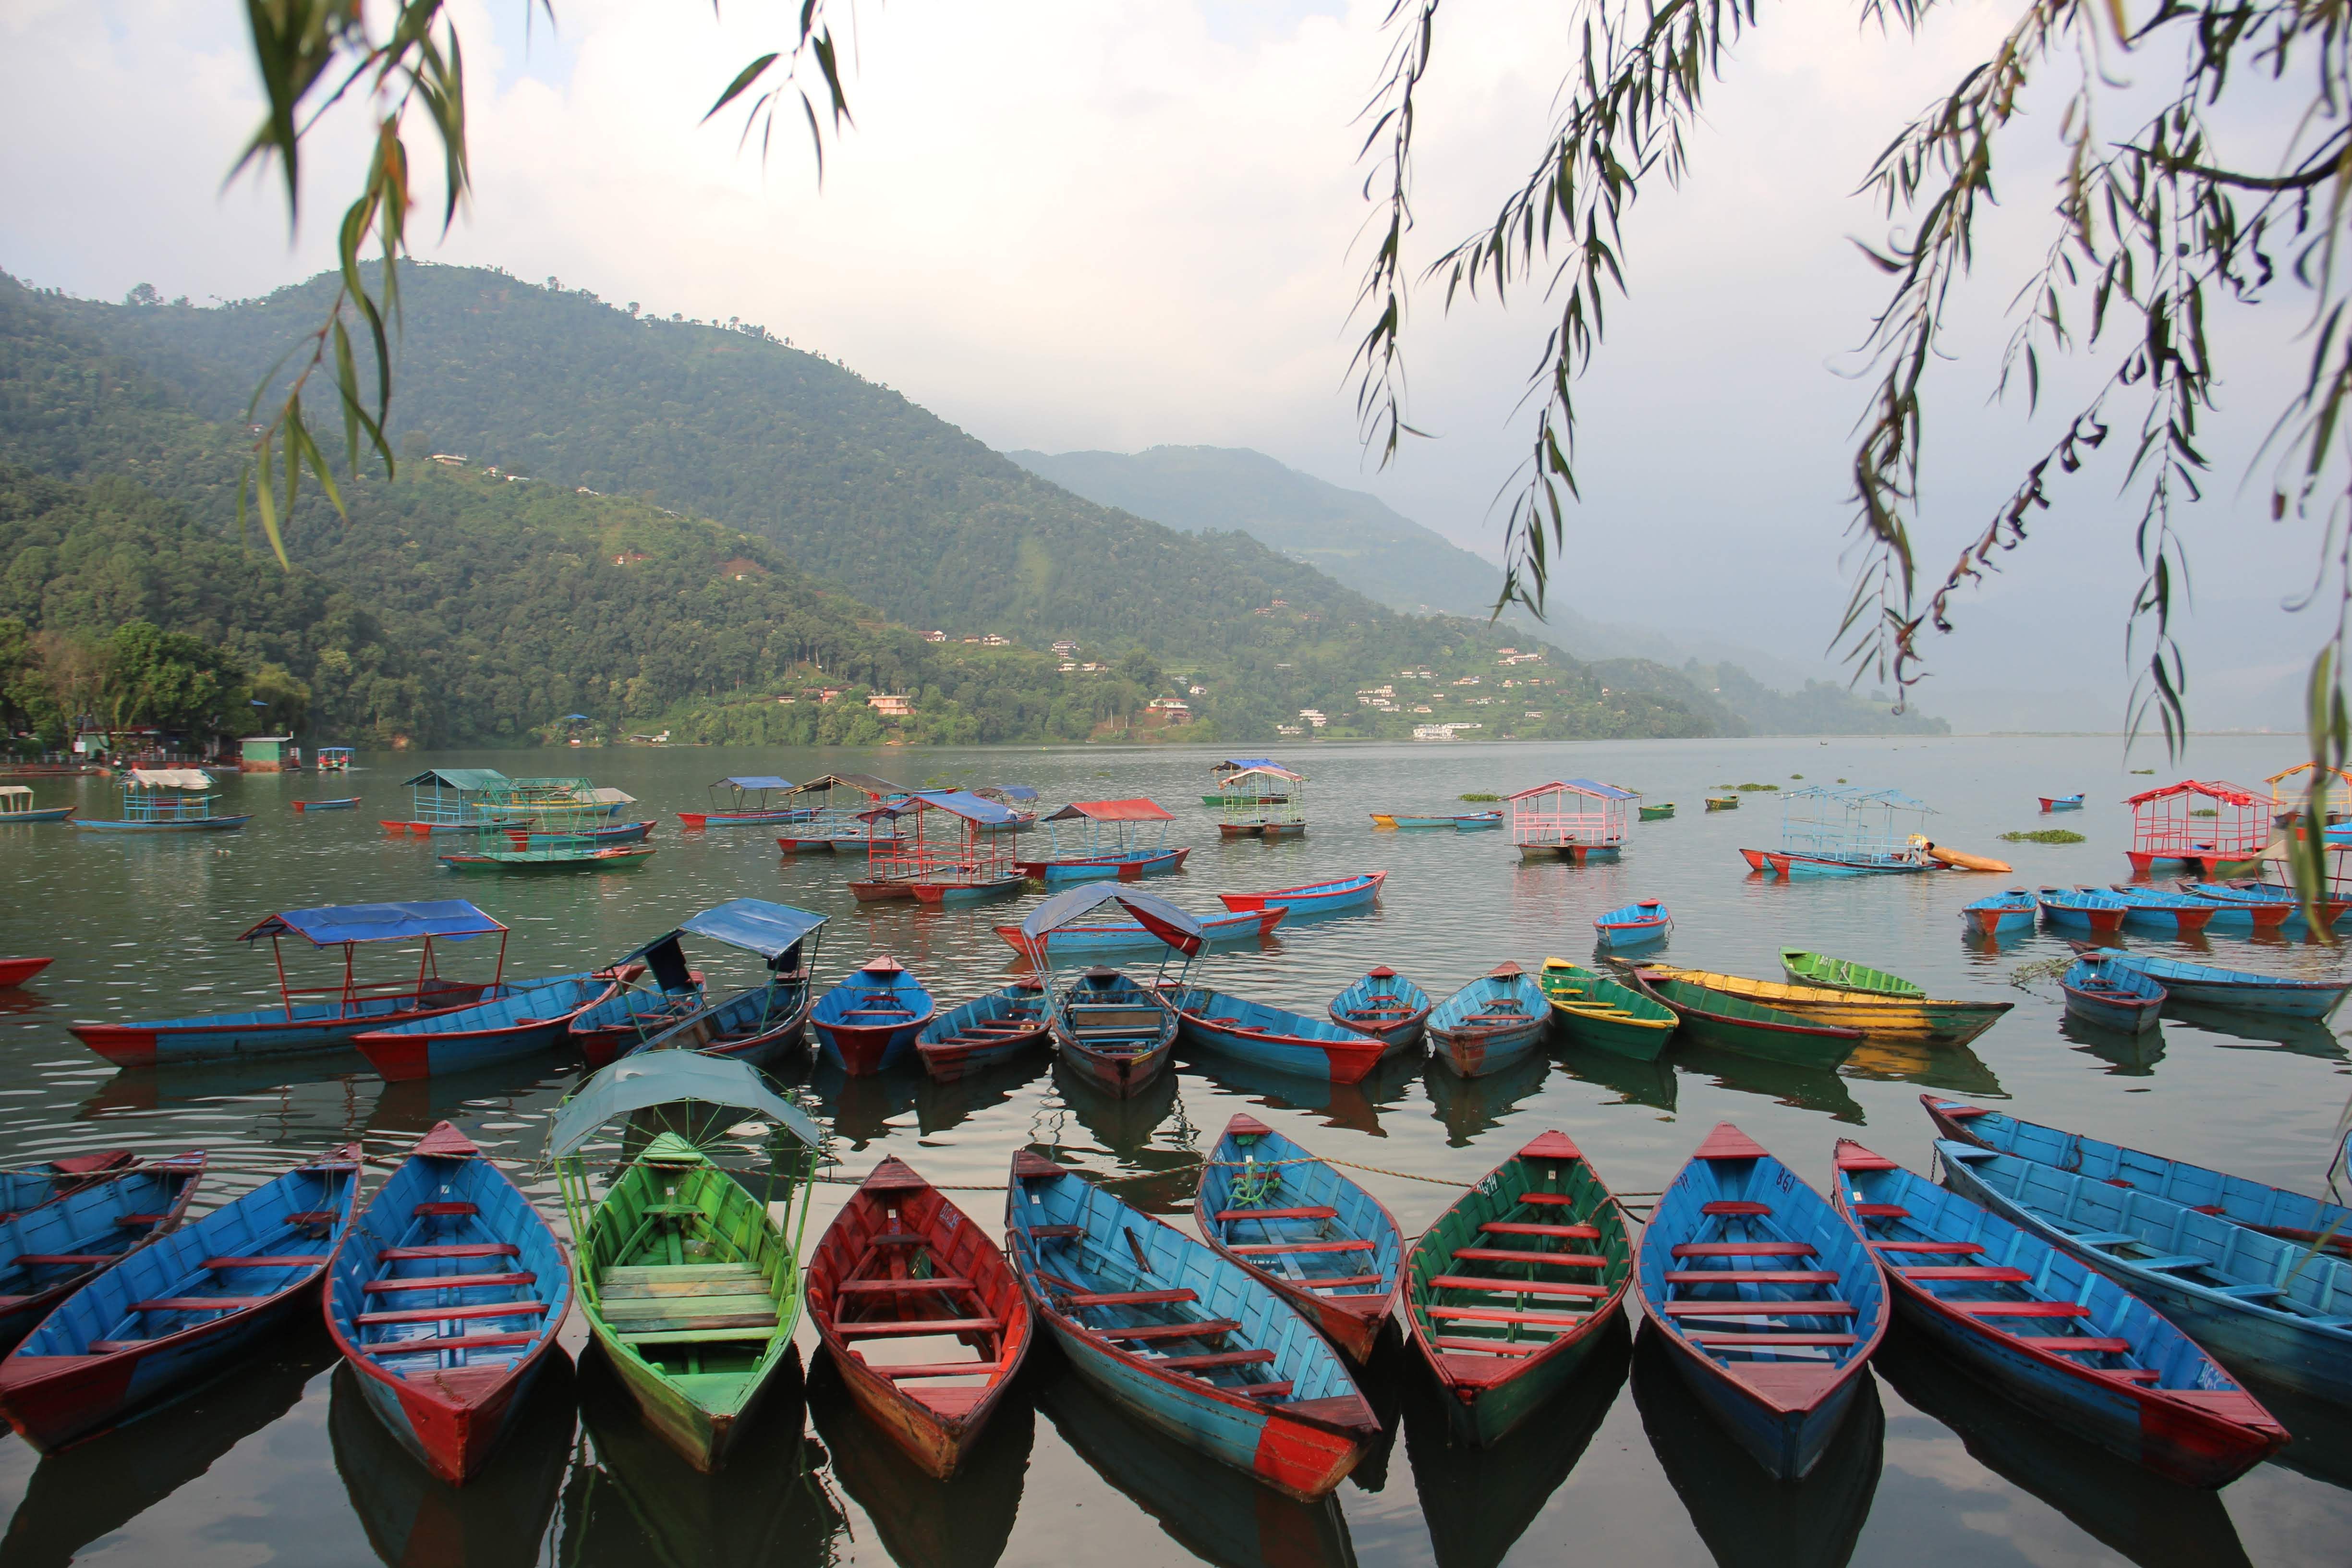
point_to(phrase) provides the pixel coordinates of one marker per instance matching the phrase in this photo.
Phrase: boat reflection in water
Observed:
(1217, 1514)
(90, 1490)
(151, 1088)
(1956, 1070)
(1470, 1107)
(1477, 1503)
(407, 1110)
(2320, 1442)
(2125, 1055)
(1806, 1089)
(1354, 1106)
(1747, 1519)
(944, 1106)
(2154, 1522)
(924, 1522)
(1650, 1083)
(416, 1519)
(636, 1503)
(858, 1110)
(2259, 1031)
(1124, 1127)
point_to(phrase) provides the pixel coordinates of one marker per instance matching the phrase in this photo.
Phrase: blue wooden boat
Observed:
(352, 1007)
(2061, 802)
(868, 1022)
(2110, 994)
(1113, 846)
(25, 1187)
(760, 1022)
(180, 1308)
(1490, 1023)
(2083, 909)
(522, 838)
(2261, 906)
(749, 804)
(1319, 1241)
(1105, 939)
(16, 808)
(517, 1025)
(984, 1031)
(2261, 1304)
(164, 800)
(2050, 1333)
(1636, 924)
(1387, 1007)
(445, 1296)
(1183, 1339)
(1274, 1037)
(1331, 898)
(55, 1248)
(348, 803)
(2274, 1211)
(2239, 990)
(2169, 913)
(2012, 910)
(633, 1014)
(1767, 1295)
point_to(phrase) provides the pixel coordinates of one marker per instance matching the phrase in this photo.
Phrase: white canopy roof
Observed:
(170, 778)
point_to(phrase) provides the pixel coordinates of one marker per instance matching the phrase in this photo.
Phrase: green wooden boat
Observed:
(1657, 813)
(1722, 801)
(1511, 1287)
(1595, 1010)
(1750, 1028)
(1845, 974)
(688, 1284)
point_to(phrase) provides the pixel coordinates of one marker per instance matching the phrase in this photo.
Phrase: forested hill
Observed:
(467, 605)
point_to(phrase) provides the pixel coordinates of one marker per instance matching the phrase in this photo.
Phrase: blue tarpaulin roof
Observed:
(757, 781)
(465, 780)
(450, 920)
(1163, 920)
(1247, 762)
(1605, 791)
(1017, 792)
(966, 805)
(754, 925)
(647, 1078)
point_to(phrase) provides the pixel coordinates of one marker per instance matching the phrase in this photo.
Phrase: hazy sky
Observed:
(1114, 224)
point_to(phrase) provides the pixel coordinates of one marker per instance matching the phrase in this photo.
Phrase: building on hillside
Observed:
(1290, 729)
(992, 640)
(892, 704)
(450, 459)
(935, 637)
(1315, 716)
(1176, 710)
(1066, 649)
(1442, 731)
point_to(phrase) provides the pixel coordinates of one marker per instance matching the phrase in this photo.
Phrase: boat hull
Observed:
(2126, 1015)
(1300, 1055)
(265, 1032)
(350, 804)
(1475, 1053)
(697, 820)
(17, 971)
(1071, 943)
(1574, 854)
(1105, 867)
(956, 895)
(862, 1050)
(1999, 921)
(194, 824)
(46, 813)
(1321, 898)
(1268, 830)
(1787, 1443)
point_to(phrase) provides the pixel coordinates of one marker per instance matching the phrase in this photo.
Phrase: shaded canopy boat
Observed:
(901, 1263)
(17, 807)
(985, 1031)
(751, 804)
(1767, 1295)
(1262, 800)
(55, 1248)
(1274, 1037)
(164, 800)
(312, 1025)
(2111, 996)
(1828, 831)
(869, 1021)
(1514, 1283)
(2167, 829)
(1319, 1240)
(1490, 1022)
(689, 1284)
(2261, 1305)
(1595, 1010)
(838, 805)
(1102, 939)
(1749, 1028)
(445, 1296)
(761, 1022)
(1387, 1007)
(1340, 893)
(1576, 820)
(1890, 1014)
(1116, 1033)
(1636, 924)
(2239, 990)
(943, 869)
(181, 1307)
(2048, 1333)
(1113, 845)
(1181, 1338)
(2012, 909)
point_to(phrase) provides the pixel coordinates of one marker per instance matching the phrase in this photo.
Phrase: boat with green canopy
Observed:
(689, 1285)
(1595, 1010)
(1845, 974)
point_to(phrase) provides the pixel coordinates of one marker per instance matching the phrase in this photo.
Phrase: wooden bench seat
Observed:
(1530, 1228)
(2076, 1344)
(1560, 1199)
(1761, 1309)
(1980, 1274)
(448, 1282)
(1731, 1206)
(458, 1211)
(1516, 1287)
(2020, 1309)
(916, 1327)
(1213, 1361)
(452, 1249)
(1259, 1390)
(1132, 1298)
(200, 1303)
(1750, 1277)
(1744, 1249)
(435, 1314)
(1714, 1341)
(290, 1261)
(1337, 1281)
(438, 1343)
(1880, 1211)
(902, 1287)
(1492, 1347)
(1226, 1214)
(747, 1334)
(1944, 1248)
(1144, 1333)
(1505, 1315)
(1261, 1247)
(936, 1369)
(1549, 1259)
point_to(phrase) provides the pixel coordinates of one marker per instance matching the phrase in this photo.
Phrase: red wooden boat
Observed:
(900, 1262)
(17, 971)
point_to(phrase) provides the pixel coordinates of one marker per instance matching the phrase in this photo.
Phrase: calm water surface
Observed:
(280, 1464)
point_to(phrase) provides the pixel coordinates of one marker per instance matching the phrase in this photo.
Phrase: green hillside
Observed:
(498, 601)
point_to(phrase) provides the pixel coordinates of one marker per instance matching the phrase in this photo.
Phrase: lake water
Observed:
(279, 1464)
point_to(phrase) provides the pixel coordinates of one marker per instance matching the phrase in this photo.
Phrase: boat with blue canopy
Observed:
(1183, 1339)
(164, 800)
(752, 803)
(181, 1308)
(1264, 800)
(2048, 1333)
(952, 859)
(1767, 1296)
(759, 1023)
(319, 1017)
(1102, 840)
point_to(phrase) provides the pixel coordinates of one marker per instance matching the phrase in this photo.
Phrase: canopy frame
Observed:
(1181, 933)
(1270, 795)
(1571, 813)
(353, 991)
(788, 949)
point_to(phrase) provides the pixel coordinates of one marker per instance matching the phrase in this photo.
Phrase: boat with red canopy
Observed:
(2201, 825)
(319, 1017)
(1116, 841)
(954, 856)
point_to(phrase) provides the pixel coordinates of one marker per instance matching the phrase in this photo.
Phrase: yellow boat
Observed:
(1891, 1017)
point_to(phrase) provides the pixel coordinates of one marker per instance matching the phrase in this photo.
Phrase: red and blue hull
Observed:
(265, 1032)
(1128, 868)
(1788, 1442)
(861, 1050)
(400, 1058)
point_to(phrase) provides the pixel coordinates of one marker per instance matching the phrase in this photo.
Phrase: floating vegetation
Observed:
(1478, 795)
(1796, 775)
(2204, 811)
(2143, 770)
(1751, 786)
(2025, 975)
(2043, 835)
